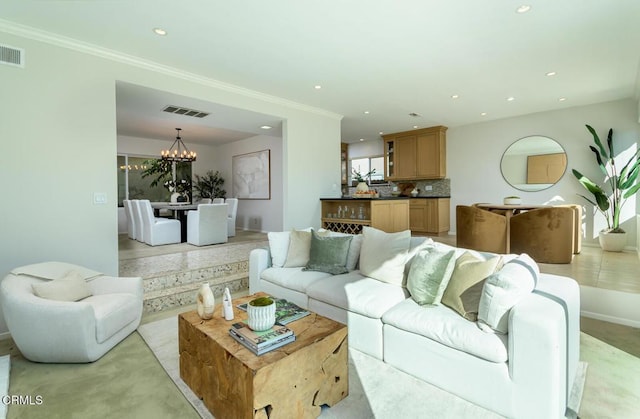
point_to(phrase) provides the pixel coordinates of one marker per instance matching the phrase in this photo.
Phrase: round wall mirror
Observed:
(533, 163)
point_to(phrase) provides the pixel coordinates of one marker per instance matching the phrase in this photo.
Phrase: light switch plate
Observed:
(99, 198)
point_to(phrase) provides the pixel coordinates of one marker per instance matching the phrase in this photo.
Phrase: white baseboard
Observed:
(610, 305)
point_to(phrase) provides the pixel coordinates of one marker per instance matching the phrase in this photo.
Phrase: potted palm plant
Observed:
(620, 185)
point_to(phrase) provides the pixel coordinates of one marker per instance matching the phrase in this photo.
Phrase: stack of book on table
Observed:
(261, 342)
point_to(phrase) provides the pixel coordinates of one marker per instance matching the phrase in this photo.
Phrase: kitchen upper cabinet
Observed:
(417, 154)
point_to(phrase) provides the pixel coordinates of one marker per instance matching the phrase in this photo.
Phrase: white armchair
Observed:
(232, 207)
(207, 225)
(69, 332)
(158, 231)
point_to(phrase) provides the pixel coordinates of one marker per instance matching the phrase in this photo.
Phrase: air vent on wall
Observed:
(11, 56)
(185, 111)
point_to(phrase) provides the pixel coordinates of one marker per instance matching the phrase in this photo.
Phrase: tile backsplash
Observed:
(439, 187)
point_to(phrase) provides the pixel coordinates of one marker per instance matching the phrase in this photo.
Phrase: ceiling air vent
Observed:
(11, 56)
(185, 111)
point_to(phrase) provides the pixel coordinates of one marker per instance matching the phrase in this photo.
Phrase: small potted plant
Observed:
(362, 185)
(512, 200)
(621, 184)
(261, 313)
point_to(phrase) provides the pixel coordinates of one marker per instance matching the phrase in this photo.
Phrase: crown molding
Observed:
(120, 57)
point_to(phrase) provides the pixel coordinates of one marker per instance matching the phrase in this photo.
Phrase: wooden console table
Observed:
(294, 380)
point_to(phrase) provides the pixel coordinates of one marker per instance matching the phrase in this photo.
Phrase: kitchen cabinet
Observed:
(429, 215)
(417, 154)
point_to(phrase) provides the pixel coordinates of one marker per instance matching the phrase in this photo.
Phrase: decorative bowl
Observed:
(512, 200)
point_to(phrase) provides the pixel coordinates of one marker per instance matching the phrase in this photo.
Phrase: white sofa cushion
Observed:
(293, 278)
(443, 325)
(383, 255)
(358, 294)
(71, 287)
(503, 290)
(113, 312)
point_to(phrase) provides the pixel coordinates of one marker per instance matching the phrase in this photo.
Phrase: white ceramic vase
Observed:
(205, 301)
(261, 317)
(362, 187)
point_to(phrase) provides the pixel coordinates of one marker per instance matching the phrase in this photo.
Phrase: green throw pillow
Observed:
(429, 275)
(328, 254)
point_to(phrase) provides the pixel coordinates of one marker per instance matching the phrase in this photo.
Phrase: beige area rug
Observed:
(375, 389)
(5, 368)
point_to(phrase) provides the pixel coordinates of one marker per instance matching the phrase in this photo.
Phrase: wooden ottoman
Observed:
(293, 381)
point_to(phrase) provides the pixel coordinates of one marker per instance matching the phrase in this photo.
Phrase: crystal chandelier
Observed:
(178, 151)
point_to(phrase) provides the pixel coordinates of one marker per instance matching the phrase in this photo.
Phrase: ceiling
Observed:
(376, 61)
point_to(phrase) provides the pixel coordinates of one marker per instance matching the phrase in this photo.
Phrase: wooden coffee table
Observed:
(294, 380)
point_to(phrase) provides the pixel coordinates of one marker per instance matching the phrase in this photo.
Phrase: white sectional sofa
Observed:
(527, 372)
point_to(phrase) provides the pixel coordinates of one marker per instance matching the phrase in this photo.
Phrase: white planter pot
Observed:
(362, 187)
(512, 201)
(612, 242)
(261, 317)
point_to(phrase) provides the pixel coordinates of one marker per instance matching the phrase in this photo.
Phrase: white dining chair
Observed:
(131, 221)
(158, 231)
(205, 201)
(232, 210)
(137, 217)
(207, 224)
(218, 201)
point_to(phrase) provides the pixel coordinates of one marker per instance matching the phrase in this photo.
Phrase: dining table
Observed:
(179, 210)
(509, 211)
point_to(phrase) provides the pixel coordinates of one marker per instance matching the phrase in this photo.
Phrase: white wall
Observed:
(59, 147)
(255, 214)
(474, 153)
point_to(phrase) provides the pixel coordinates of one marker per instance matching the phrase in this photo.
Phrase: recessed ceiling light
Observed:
(551, 73)
(523, 9)
(361, 139)
(159, 31)
(266, 127)
(562, 99)
(381, 132)
(483, 114)
(317, 87)
(454, 96)
(415, 126)
(511, 99)
(367, 112)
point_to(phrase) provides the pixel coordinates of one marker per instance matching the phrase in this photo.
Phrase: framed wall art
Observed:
(252, 175)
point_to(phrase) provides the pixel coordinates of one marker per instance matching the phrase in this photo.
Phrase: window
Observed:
(365, 165)
(132, 185)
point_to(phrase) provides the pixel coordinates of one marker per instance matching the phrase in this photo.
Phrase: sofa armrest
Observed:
(538, 357)
(259, 260)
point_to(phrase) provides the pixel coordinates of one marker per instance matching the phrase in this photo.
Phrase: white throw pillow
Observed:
(383, 255)
(54, 270)
(299, 248)
(279, 246)
(70, 287)
(503, 290)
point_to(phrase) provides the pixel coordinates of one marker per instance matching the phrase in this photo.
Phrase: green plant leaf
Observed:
(596, 139)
